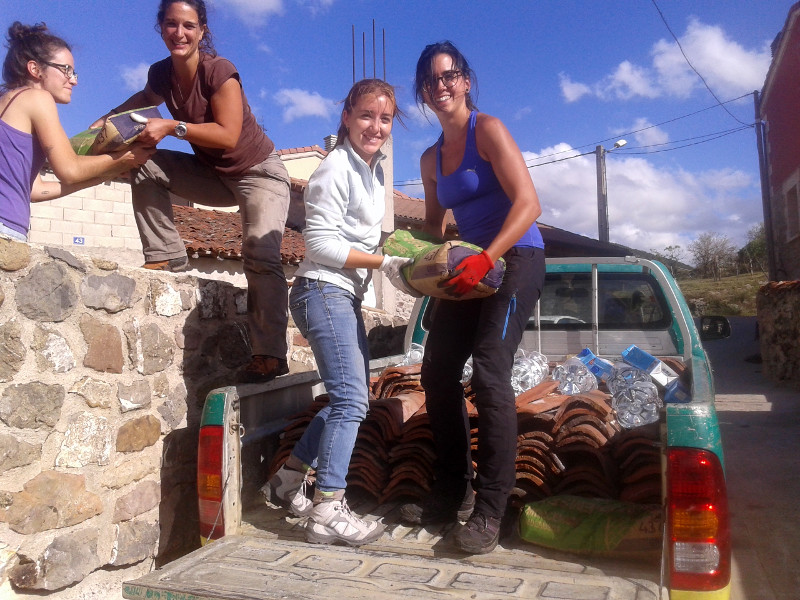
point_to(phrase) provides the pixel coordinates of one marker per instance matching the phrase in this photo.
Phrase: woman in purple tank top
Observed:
(477, 170)
(40, 65)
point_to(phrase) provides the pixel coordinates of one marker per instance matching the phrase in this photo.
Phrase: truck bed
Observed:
(271, 559)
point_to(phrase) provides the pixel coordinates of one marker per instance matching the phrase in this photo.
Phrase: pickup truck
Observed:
(253, 550)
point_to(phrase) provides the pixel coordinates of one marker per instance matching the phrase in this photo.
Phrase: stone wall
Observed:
(778, 309)
(103, 373)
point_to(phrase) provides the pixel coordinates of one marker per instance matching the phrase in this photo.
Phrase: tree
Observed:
(713, 253)
(671, 256)
(754, 254)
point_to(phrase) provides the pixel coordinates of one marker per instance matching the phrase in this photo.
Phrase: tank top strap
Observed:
(471, 147)
(12, 100)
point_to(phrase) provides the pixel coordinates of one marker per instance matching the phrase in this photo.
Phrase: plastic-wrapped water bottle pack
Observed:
(636, 404)
(529, 370)
(574, 377)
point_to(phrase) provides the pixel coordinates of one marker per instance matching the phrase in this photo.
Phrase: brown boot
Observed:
(263, 368)
(176, 265)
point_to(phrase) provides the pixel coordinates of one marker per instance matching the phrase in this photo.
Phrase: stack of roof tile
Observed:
(565, 445)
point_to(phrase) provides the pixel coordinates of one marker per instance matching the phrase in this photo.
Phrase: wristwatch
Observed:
(180, 130)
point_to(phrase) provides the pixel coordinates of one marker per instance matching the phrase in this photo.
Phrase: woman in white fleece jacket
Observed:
(344, 209)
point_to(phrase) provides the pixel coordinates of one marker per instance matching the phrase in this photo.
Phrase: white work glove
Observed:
(392, 267)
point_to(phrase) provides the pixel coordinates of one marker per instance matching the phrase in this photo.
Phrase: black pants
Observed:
(490, 329)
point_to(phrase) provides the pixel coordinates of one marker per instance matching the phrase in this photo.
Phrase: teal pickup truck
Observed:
(256, 551)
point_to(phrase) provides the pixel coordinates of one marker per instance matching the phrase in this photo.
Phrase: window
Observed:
(790, 200)
(625, 301)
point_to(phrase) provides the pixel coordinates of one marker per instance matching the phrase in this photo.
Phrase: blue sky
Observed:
(563, 75)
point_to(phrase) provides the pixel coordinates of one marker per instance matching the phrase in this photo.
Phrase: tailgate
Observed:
(272, 560)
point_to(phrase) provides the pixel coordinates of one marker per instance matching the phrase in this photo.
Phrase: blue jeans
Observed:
(12, 233)
(329, 317)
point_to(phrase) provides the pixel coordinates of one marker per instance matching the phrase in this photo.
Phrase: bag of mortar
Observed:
(435, 263)
(118, 131)
(593, 526)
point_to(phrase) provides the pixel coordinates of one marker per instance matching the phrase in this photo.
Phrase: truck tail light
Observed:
(209, 482)
(698, 525)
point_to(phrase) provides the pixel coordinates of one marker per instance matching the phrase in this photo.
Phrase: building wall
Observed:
(778, 307)
(779, 108)
(103, 373)
(96, 217)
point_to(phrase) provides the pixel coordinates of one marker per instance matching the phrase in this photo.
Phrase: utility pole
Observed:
(602, 195)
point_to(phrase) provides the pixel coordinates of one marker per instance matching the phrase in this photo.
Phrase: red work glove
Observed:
(468, 273)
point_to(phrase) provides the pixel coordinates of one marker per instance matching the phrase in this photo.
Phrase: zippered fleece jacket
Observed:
(345, 205)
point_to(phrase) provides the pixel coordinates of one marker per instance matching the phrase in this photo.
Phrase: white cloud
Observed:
(253, 12)
(628, 81)
(729, 69)
(571, 90)
(301, 103)
(649, 207)
(316, 6)
(522, 113)
(420, 117)
(645, 133)
(135, 77)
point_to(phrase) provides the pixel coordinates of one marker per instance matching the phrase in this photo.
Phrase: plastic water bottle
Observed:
(636, 404)
(529, 370)
(466, 373)
(414, 355)
(623, 375)
(574, 377)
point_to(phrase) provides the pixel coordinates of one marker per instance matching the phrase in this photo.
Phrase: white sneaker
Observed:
(332, 521)
(288, 488)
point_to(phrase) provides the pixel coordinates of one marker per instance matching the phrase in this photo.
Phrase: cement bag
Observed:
(118, 131)
(594, 526)
(435, 263)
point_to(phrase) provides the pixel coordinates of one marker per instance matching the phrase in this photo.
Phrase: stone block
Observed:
(138, 434)
(52, 500)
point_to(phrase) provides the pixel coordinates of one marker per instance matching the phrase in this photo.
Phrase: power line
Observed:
(708, 137)
(691, 114)
(716, 137)
(688, 62)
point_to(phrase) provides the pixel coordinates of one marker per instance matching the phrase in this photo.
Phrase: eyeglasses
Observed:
(67, 70)
(448, 79)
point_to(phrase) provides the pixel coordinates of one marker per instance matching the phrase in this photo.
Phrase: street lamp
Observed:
(602, 193)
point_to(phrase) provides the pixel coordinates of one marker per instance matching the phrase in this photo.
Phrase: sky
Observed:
(564, 76)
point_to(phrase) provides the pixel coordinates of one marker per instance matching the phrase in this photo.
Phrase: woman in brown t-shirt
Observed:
(234, 163)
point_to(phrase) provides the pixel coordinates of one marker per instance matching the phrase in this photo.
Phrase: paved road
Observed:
(760, 424)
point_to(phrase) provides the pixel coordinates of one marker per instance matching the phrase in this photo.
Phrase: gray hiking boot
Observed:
(288, 488)
(332, 521)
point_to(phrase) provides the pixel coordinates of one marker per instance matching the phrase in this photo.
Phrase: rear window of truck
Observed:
(625, 301)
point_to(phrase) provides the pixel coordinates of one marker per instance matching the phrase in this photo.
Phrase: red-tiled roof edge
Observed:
(302, 149)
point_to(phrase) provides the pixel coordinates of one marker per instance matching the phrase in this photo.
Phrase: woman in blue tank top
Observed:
(477, 170)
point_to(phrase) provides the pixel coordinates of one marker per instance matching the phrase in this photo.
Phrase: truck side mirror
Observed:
(714, 328)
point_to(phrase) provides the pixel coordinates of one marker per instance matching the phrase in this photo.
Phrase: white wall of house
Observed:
(99, 217)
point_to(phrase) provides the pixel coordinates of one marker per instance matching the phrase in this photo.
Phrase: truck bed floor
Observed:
(272, 559)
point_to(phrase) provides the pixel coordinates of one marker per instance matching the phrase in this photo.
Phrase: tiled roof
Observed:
(302, 150)
(215, 233)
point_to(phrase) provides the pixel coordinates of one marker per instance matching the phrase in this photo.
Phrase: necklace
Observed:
(176, 84)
